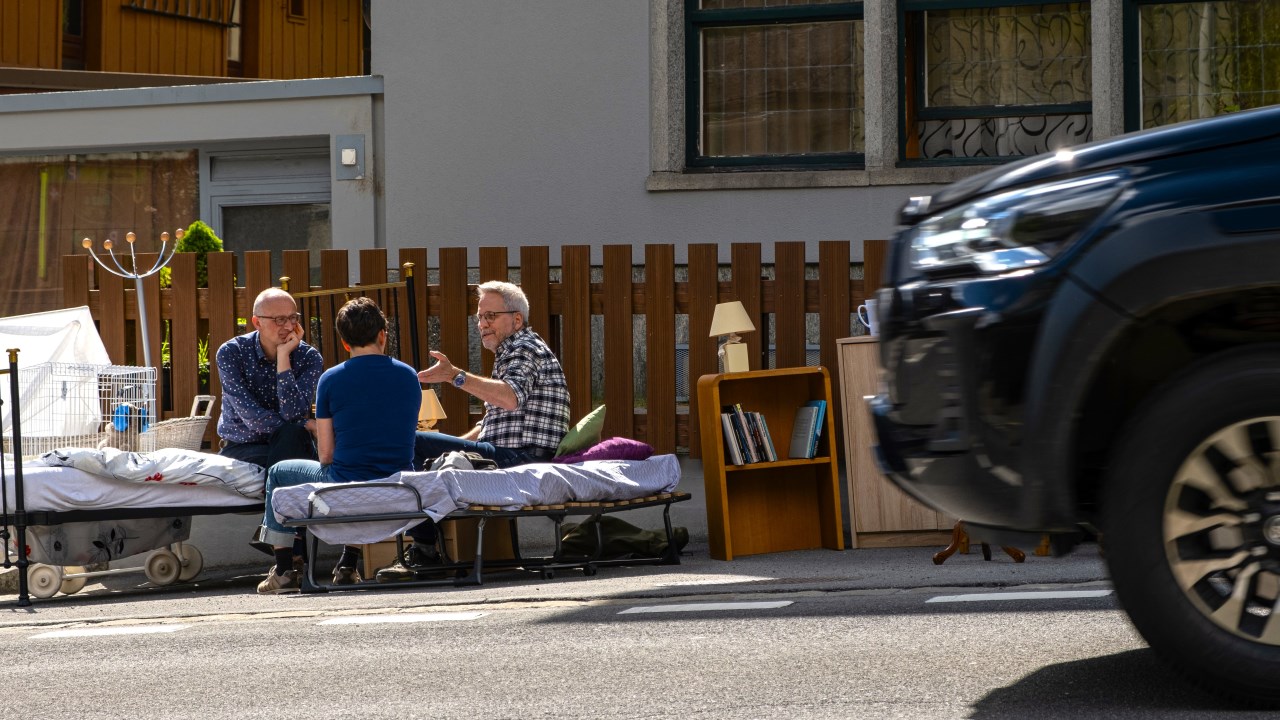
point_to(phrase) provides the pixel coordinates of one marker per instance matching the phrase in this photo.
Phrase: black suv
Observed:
(1088, 341)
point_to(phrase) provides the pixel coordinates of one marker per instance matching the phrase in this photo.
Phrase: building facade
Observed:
(572, 121)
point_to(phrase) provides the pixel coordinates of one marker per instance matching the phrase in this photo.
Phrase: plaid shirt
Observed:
(256, 400)
(541, 417)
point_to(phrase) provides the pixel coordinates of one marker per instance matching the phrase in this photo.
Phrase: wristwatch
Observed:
(459, 379)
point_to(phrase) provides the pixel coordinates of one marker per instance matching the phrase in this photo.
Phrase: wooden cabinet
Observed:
(769, 506)
(880, 514)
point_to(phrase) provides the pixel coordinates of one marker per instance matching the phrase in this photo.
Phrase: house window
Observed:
(72, 34)
(235, 43)
(297, 9)
(1201, 59)
(992, 80)
(773, 83)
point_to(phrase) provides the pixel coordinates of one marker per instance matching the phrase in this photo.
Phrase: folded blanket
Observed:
(169, 465)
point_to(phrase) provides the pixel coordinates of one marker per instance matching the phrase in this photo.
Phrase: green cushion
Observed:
(583, 435)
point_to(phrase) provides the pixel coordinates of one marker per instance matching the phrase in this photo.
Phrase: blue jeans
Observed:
(430, 445)
(288, 473)
(289, 441)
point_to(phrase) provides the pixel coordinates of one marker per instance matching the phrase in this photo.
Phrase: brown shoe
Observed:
(276, 584)
(346, 576)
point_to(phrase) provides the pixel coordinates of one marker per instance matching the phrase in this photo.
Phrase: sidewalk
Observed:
(230, 586)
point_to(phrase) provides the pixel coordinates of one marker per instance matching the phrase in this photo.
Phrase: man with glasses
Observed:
(526, 402)
(269, 381)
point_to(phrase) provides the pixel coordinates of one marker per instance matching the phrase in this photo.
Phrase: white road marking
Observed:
(703, 607)
(715, 580)
(405, 618)
(1036, 595)
(127, 630)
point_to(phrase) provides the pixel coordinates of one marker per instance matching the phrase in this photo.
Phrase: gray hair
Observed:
(513, 298)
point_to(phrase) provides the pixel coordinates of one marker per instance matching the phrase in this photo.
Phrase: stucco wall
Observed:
(511, 123)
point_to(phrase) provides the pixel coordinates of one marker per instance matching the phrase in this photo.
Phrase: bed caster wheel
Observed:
(163, 567)
(43, 581)
(548, 574)
(589, 570)
(71, 586)
(192, 561)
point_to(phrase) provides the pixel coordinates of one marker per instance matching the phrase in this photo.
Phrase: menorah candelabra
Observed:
(136, 276)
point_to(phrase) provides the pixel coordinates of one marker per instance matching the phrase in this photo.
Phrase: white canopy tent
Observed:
(51, 406)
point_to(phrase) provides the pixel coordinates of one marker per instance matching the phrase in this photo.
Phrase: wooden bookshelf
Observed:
(763, 507)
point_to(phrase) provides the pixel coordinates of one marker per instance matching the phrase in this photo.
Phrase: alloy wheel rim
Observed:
(1221, 529)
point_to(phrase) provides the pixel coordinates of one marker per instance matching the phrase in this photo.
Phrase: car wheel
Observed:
(1191, 516)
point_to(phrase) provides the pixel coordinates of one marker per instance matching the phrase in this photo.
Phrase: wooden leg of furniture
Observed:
(958, 535)
(1043, 550)
(1013, 552)
(960, 541)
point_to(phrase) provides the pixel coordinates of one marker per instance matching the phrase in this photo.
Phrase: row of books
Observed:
(747, 439)
(746, 436)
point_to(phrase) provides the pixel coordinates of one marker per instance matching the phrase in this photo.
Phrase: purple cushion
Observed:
(615, 448)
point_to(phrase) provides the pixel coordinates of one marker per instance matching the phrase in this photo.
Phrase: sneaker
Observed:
(417, 563)
(346, 576)
(275, 584)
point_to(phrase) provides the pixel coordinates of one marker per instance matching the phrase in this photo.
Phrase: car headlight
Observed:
(1012, 230)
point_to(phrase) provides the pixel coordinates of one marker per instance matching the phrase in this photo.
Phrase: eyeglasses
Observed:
(490, 316)
(294, 319)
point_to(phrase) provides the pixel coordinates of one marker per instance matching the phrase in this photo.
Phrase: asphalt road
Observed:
(925, 652)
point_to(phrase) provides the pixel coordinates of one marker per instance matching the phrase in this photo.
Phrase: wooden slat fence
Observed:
(777, 296)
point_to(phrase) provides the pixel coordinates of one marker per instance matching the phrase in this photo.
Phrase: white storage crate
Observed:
(85, 406)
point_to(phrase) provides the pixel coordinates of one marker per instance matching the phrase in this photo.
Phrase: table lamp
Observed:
(430, 411)
(731, 318)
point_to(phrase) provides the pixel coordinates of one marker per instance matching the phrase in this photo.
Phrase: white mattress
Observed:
(68, 488)
(444, 491)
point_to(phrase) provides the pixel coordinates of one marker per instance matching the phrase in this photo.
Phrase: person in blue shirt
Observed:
(366, 420)
(268, 379)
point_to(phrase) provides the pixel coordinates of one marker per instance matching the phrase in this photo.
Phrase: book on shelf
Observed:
(731, 451)
(819, 424)
(739, 433)
(751, 453)
(802, 432)
(766, 442)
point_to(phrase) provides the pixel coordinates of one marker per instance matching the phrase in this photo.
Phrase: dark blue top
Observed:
(373, 401)
(256, 400)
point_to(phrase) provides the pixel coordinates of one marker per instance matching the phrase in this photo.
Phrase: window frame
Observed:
(911, 56)
(1131, 24)
(696, 20)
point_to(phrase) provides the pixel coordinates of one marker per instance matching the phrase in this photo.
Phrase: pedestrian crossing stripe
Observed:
(1025, 595)
(103, 631)
(401, 618)
(707, 607)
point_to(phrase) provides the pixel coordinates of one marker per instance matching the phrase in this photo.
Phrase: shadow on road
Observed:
(1129, 684)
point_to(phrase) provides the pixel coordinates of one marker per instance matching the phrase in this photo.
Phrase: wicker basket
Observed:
(186, 433)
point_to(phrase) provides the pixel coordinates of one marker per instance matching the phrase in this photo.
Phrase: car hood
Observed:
(1131, 149)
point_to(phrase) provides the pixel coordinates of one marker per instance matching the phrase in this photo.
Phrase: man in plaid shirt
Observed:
(526, 402)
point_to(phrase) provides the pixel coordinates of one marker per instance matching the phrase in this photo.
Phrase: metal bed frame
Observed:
(471, 572)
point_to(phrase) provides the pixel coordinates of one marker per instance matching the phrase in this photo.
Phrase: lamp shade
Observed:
(730, 318)
(430, 411)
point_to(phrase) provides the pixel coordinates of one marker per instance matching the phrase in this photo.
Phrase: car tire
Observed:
(1187, 510)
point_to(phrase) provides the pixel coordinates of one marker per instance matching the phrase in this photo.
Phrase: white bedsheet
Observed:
(444, 491)
(69, 488)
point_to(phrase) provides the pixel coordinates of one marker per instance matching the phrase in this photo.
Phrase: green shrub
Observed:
(199, 239)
